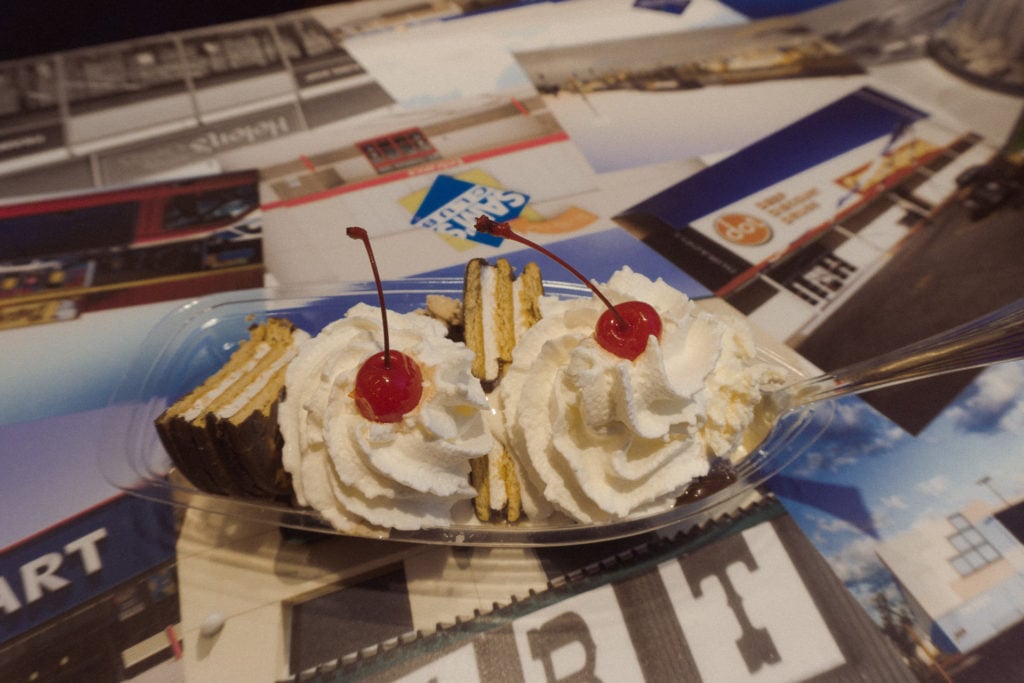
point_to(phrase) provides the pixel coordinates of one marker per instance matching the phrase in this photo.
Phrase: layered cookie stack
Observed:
(223, 436)
(497, 308)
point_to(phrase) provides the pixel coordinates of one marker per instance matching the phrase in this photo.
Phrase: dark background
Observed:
(33, 27)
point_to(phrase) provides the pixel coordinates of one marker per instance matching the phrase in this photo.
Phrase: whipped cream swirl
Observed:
(603, 437)
(363, 475)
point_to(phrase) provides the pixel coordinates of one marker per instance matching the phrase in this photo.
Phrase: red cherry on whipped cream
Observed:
(623, 329)
(389, 384)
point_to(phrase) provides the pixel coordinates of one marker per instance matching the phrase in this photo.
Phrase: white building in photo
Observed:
(963, 575)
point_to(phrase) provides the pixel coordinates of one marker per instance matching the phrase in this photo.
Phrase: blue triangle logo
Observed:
(452, 206)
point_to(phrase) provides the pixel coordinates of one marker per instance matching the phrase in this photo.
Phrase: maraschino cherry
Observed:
(623, 329)
(389, 384)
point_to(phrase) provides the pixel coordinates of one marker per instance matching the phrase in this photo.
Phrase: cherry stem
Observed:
(489, 226)
(361, 234)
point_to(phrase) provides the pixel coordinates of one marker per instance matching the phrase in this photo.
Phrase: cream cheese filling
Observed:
(256, 385)
(215, 392)
(489, 306)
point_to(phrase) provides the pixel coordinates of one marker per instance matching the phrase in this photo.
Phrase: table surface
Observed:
(250, 602)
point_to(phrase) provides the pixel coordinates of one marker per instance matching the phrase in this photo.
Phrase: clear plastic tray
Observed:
(192, 342)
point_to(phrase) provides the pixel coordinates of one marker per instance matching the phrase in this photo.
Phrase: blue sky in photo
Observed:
(903, 479)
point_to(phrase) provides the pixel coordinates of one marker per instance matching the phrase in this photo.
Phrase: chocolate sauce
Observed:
(721, 475)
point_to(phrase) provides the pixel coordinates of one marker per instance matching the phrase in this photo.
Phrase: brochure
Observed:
(853, 231)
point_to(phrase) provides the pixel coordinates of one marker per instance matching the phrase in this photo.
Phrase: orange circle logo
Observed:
(740, 228)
